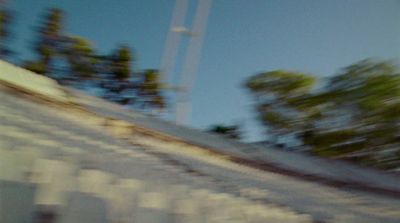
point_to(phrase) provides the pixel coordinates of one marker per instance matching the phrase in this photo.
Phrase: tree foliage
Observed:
(150, 89)
(116, 80)
(49, 40)
(355, 115)
(80, 56)
(72, 60)
(281, 84)
(121, 63)
(5, 21)
(276, 93)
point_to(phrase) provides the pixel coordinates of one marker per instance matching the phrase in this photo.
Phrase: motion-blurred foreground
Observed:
(68, 157)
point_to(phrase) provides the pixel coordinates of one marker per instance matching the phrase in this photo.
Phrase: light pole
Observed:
(192, 58)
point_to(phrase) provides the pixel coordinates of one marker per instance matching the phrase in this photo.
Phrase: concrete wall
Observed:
(27, 80)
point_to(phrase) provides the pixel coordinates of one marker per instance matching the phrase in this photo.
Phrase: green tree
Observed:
(81, 59)
(121, 62)
(355, 115)
(150, 90)
(117, 80)
(123, 85)
(276, 94)
(5, 21)
(49, 38)
(363, 100)
(73, 61)
(47, 47)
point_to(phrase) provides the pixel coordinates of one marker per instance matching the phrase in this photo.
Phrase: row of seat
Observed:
(54, 172)
(74, 193)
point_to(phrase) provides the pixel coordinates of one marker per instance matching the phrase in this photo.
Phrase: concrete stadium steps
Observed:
(54, 180)
(14, 197)
(52, 134)
(83, 176)
(84, 208)
(82, 195)
(284, 162)
(311, 168)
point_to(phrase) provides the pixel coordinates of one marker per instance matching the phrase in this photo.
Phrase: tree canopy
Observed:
(355, 116)
(72, 60)
(5, 21)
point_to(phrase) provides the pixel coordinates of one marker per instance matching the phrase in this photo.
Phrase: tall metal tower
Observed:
(192, 57)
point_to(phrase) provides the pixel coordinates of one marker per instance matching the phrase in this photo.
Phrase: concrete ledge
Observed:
(31, 81)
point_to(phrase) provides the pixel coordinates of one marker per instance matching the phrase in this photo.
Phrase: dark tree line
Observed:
(5, 33)
(73, 61)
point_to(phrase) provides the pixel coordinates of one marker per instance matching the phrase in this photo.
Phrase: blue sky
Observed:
(243, 37)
